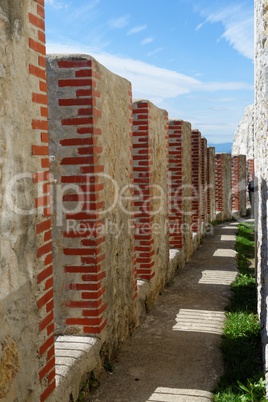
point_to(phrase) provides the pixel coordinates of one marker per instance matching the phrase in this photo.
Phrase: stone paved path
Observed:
(174, 356)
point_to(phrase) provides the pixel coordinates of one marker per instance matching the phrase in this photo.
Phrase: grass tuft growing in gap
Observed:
(241, 341)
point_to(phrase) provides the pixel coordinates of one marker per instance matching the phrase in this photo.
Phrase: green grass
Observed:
(241, 340)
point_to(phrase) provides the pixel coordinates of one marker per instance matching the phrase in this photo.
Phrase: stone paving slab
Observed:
(174, 356)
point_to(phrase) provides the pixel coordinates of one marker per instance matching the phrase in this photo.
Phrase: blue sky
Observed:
(193, 58)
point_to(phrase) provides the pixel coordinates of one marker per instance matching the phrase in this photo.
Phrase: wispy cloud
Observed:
(224, 86)
(76, 17)
(154, 51)
(137, 29)
(200, 25)
(146, 41)
(238, 23)
(119, 23)
(56, 4)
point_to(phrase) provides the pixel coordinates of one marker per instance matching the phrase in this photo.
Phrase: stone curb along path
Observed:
(174, 356)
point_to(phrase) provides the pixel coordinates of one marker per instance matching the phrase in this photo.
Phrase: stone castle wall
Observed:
(93, 187)
(243, 143)
(260, 164)
(26, 313)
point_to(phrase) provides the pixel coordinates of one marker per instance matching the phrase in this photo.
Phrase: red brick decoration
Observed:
(223, 185)
(142, 160)
(132, 220)
(211, 212)
(219, 183)
(81, 151)
(250, 169)
(37, 69)
(196, 181)
(239, 184)
(208, 184)
(176, 184)
(204, 172)
(235, 183)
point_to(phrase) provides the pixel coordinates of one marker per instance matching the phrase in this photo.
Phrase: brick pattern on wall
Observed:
(132, 194)
(223, 185)
(209, 190)
(204, 173)
(239, 184)
(45, 303)
(250, 169)
(86, 276)
(175, 184)
(211, 210)
(142, 160)
(219, 182)
(235, 184)
(196, 180)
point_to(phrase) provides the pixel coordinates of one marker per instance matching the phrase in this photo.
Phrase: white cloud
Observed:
(224, 86)
(149, 81)
(56, 4)
(200, 25)
(137, 29)
(146, 41)
(238, 23)
(119, 23)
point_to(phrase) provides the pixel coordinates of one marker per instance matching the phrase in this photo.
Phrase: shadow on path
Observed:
(174, 356)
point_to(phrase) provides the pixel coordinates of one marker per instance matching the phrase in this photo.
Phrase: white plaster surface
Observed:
(75, 357)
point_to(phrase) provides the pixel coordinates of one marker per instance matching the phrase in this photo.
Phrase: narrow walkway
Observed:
(174, 356)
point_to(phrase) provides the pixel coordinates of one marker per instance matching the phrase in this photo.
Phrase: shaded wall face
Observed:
(159, 144)
(223, 186)
(261, 162)
(115, 103)
(91, 138)
(180, 187)
(204, 173)
(196, 182)
(227, 185)
(211, 184)
(239, 185)
(20, 140)
(150, 149)
(187, 187)
(242, 185)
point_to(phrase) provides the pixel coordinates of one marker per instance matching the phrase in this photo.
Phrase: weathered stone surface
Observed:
(243, 143)
(211, 184)
(187, 188)
(159, 138)
(112, 162)
(19, 319)
(180, 178)
(223, 186)
(9, 365)
(239, 185)
(155, 133)
(261, 162)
